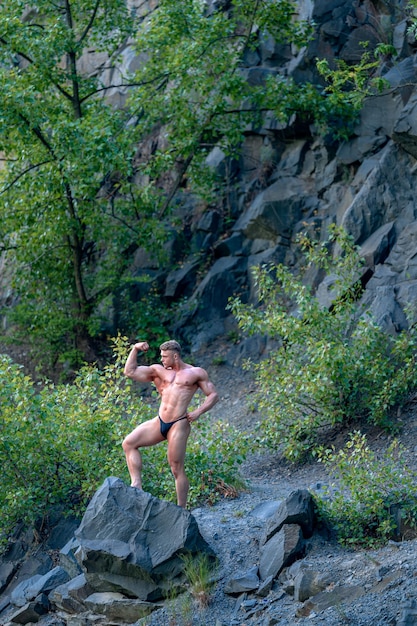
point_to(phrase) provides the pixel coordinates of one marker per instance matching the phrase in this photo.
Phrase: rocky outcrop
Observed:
(124, 559)
(272, 556)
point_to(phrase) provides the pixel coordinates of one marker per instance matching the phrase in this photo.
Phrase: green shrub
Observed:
(200, 574)
(332, 365)
(368, 489)
(59, 442)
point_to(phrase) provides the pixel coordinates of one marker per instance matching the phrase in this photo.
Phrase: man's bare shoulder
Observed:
(199, 371)
(199, 374)
(157, 369)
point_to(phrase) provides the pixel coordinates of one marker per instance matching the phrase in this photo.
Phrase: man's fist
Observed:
(143, 346)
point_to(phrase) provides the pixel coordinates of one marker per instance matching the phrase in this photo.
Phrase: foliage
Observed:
(199, 573)
(346, 88)
(412, 28)
(77, 196)
(69, 210)
(194, 84)
(333, 106)
(333, 364)
(368, 489)
(135, 315)
(59, 442)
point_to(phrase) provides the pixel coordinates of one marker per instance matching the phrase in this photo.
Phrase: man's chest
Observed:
(178, 381)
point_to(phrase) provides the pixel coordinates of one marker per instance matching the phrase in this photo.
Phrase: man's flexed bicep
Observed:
(140, 373)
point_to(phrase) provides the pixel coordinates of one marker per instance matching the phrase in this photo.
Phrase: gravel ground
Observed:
(387, 577)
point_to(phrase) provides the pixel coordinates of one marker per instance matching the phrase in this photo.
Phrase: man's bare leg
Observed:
(182, 486)
(177, 442)
(146, 434)
(134, 465)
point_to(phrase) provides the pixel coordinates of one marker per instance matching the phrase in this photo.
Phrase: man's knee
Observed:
(177, 468)
(126, 445)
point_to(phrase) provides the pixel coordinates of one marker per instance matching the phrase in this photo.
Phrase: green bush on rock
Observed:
(332, 365)
(369, 492)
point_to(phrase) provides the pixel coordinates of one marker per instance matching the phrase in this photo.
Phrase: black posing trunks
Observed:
(165, 426)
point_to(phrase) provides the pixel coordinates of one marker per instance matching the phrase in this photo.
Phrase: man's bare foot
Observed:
(136, 485)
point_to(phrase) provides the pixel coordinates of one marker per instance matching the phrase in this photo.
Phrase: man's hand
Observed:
(192, 416)
(140, 373)
(143, 346)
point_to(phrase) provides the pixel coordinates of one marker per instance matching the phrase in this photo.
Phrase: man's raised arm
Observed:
(141, 373)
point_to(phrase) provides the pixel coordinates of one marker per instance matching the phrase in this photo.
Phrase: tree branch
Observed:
(29, 169)
(119, 219)
(4, 248)
(38, 133)
(90, 23)
(174, 188)
(32, 62)
(163, 77)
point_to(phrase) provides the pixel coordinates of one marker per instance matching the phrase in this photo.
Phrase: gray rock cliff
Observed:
(290, 179)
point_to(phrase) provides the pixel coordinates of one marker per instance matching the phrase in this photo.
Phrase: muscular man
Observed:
(177, 383)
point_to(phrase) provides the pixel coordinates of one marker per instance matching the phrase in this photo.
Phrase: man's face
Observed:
(167, 359)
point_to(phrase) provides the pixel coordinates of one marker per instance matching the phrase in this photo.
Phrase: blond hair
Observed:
(172, 345)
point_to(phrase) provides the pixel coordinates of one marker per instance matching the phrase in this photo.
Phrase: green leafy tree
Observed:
(333, 365)
(69, 210)
(76, 194)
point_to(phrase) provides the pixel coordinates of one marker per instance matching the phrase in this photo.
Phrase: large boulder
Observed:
(297, 508)
(133, 543)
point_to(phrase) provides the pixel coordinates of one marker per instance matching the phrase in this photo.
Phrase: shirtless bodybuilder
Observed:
(176, 383)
